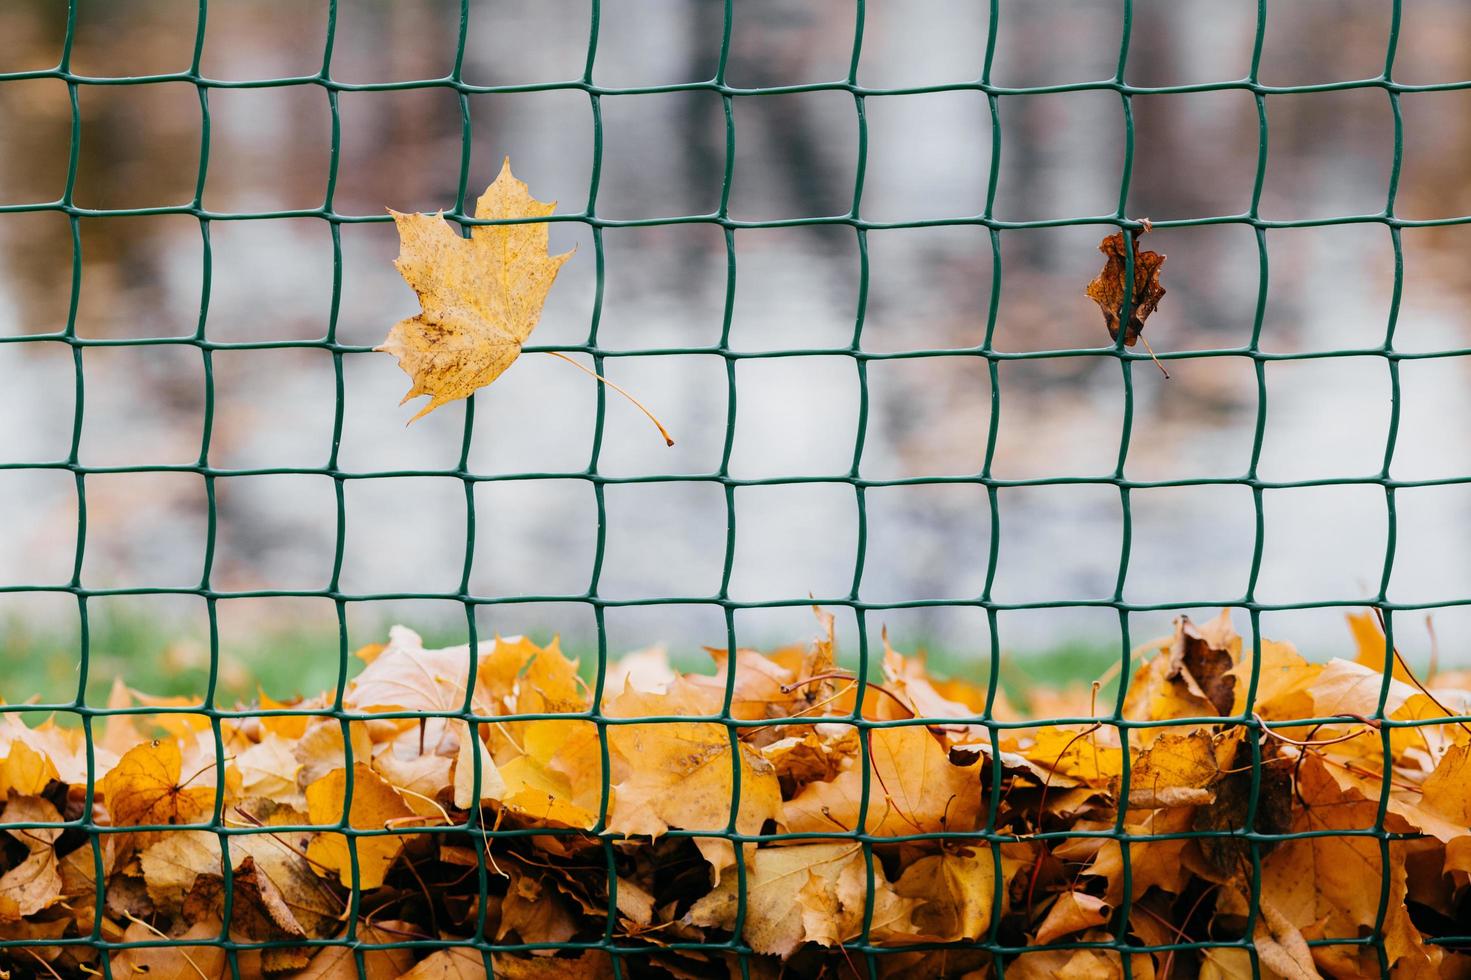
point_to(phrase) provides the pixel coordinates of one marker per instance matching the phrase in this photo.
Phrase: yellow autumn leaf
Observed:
(1177, 770)
(375, 806)
(681, 774)
(1072, 912)
(812, 892)
(25, 771)
(1080, 753)
(1372, 651)
(481, 296)
(269, 768)
(491, 785)
(147, 786)
(913, 788)
(558, 780)
(955, 893)
(518, 677)
(1332, 884)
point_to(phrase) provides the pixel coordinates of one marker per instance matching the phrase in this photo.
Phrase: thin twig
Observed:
(1314, 743)
(1153, 356)
(668, 439)
(1434, 667)
(1383, 628)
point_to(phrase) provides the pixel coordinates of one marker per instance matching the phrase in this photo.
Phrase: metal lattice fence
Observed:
(625, 957)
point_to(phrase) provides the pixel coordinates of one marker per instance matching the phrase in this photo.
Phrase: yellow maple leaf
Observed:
(1330, 885)
(481, 296)
(955, 891)
(680, 774)
(26, 771)
(1178, 770)
(1079, 753)
(375, 805)
(805, 893)
(558, 781)
(913, 788)
(147, 787)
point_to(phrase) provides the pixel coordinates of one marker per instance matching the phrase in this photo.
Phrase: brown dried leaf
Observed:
(1204, 666)
(35, 883)
(1109, 288)
(182, 962)
(805, 893)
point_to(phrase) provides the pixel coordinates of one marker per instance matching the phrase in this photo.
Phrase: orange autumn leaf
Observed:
(654, 770)
(682, 775)
(1072, 912)
(189, 958)
(341, 962)
(913, 788)
(148, 786)
(26, 771)
(375, 806)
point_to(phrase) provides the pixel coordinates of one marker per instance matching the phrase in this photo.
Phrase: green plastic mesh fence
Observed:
(626, 956)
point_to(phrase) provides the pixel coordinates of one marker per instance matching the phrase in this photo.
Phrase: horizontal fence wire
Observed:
(863, 946)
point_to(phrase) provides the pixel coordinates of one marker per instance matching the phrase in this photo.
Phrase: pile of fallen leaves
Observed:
(552, 829)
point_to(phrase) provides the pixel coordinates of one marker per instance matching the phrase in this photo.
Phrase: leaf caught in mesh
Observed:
(1110, 287)
(480, 296)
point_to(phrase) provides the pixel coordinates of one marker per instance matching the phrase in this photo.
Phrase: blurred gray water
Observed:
(928, 156)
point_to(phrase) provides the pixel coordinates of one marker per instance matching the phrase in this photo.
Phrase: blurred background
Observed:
(264, 280)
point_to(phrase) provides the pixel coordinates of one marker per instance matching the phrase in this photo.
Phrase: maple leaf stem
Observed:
(668, 440)
(1434, 667)
(845, 675)
(1383, 628)
(1145, 341)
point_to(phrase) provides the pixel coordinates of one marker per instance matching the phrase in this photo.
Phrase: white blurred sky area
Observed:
(928, 156)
